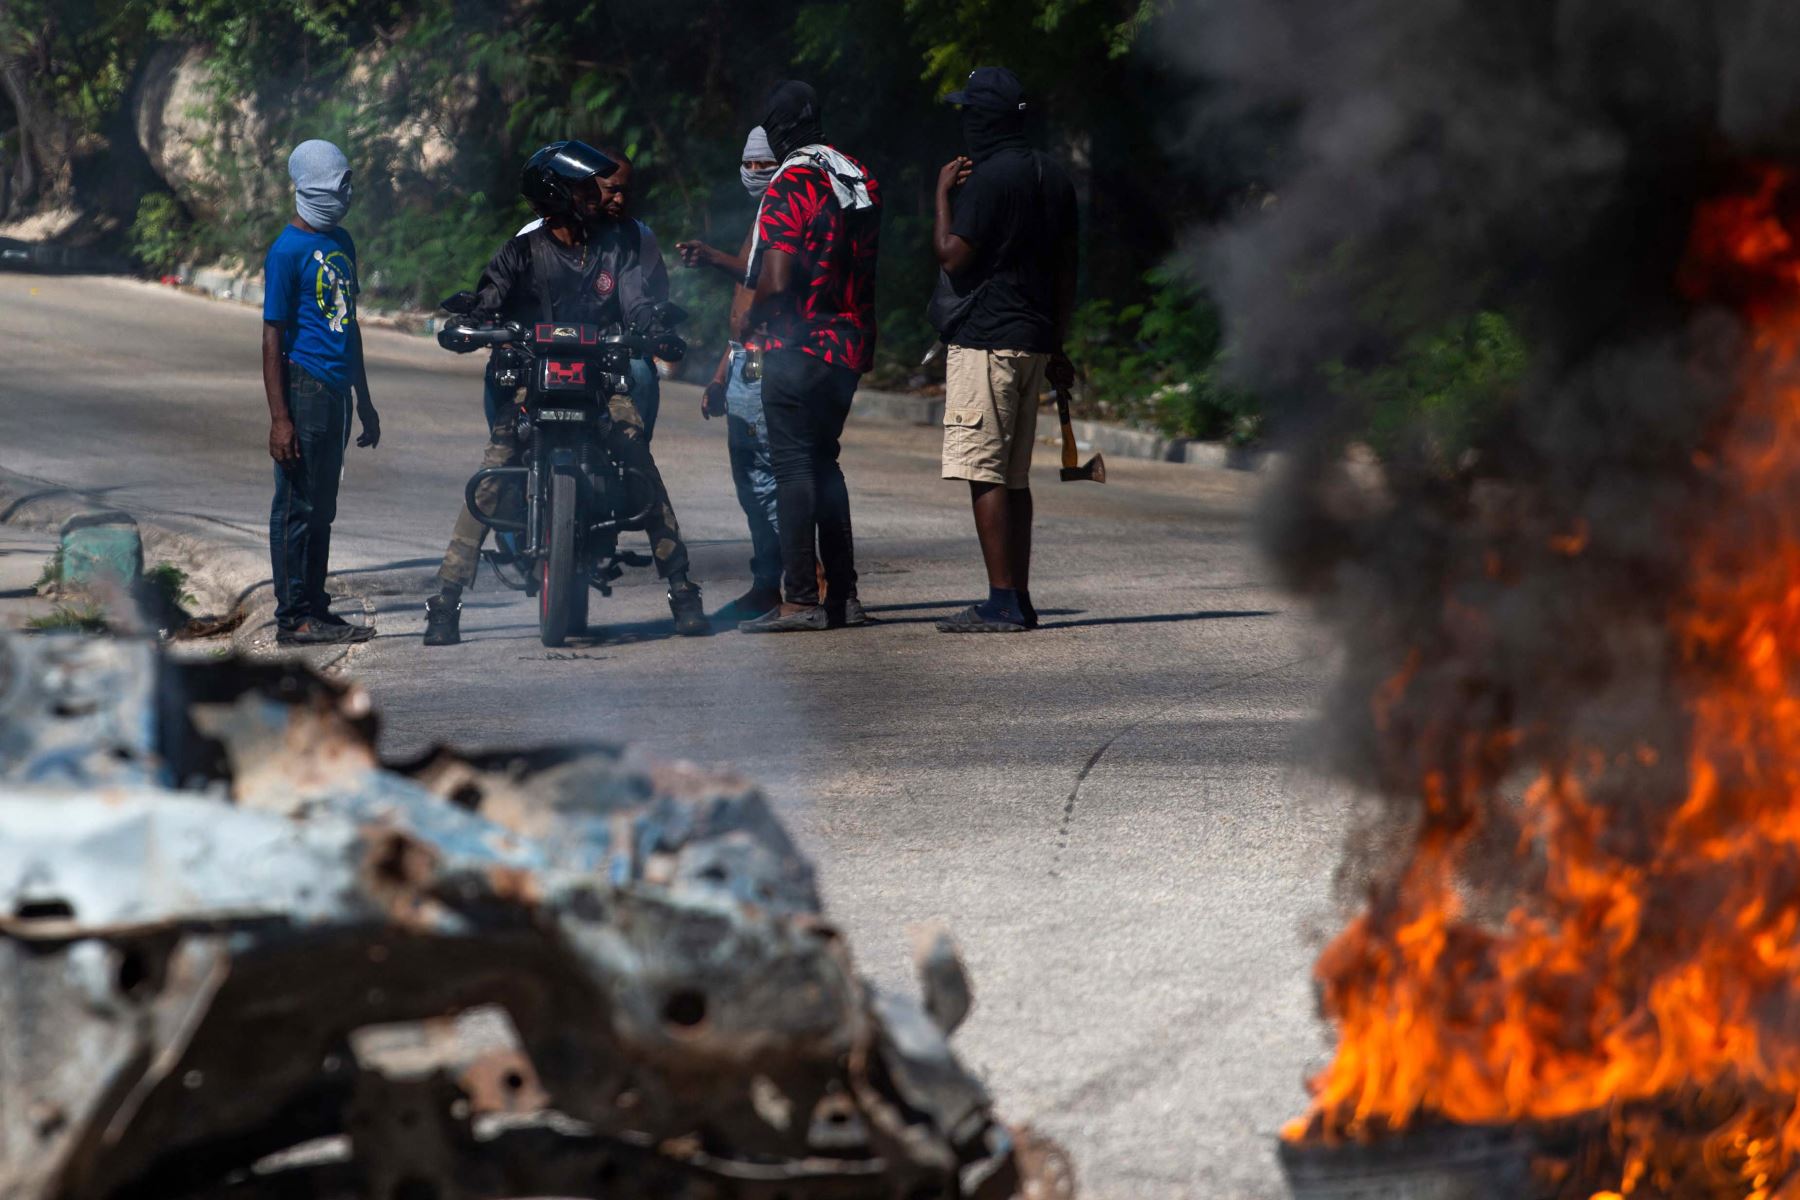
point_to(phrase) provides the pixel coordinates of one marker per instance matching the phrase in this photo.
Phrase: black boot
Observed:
(443, 619)
(690, 613)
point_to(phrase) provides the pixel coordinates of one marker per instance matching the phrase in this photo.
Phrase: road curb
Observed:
(54, 258)
(900, 408)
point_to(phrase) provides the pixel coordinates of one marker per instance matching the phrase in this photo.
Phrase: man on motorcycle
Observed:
(651, 276)
(578, 266)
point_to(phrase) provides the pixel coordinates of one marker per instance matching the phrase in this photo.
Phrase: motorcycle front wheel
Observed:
(562, 596)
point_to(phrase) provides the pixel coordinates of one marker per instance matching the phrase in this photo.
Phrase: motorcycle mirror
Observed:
(462, 303)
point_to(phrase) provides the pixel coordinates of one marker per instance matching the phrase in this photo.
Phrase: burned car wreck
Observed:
(241, 957)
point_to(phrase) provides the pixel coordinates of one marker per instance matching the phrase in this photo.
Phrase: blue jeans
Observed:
(305, 502)
(747, 437)
(646, 393)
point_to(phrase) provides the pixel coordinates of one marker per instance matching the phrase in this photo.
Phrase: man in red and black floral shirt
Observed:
(812, 265)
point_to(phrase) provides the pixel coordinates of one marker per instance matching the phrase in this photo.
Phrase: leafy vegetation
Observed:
(50, 578)
(160, 237)
(1440, 388)
(1156, 363)
(169, 584)
(437, 104)
(70, 618)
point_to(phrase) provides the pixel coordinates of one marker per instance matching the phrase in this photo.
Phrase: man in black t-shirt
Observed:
(1005, 237)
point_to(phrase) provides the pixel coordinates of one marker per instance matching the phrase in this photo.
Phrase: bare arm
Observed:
(365, 406)
(953, 253)
(699, 254)
(284, 444)
(741, 296)
(736, 265)
(712, 397)
(774, 281)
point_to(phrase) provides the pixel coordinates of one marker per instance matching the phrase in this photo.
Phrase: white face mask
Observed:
(757, 181)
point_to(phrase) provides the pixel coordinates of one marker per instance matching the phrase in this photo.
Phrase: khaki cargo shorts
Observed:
(990, 414)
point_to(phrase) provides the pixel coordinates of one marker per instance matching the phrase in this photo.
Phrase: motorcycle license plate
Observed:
(561, 414)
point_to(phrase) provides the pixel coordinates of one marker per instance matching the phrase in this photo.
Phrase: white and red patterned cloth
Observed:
(823, 208)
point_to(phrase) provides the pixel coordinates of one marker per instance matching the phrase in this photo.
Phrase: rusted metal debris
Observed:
(240, 957)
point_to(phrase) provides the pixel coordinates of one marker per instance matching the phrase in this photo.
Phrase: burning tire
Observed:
(1448, 1163)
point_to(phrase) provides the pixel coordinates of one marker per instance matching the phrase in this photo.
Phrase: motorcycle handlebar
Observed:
(464, 337)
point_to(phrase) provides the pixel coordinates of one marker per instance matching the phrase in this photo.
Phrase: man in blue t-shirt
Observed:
(312, 359)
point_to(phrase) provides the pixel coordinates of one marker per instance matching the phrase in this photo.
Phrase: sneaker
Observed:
(443, 621)
(747, 607)
(1025, 607)
(315, 632)
(689, 611)
(973, 620)
(775, 621)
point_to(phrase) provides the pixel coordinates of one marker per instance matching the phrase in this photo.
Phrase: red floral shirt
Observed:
(832, 314)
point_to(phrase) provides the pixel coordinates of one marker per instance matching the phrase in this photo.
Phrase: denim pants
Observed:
(306, 498)
(646, 394)
(806, 401)
(747, 438)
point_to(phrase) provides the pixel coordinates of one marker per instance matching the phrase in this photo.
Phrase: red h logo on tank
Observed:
(565, 374)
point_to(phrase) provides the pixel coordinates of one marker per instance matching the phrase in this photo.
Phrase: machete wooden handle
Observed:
(1069, 453)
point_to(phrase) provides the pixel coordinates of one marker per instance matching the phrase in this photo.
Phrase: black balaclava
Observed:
(987, 132)
(791, 117)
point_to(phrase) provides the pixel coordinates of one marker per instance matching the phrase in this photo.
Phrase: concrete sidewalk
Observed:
(225, 580)
(23, 555)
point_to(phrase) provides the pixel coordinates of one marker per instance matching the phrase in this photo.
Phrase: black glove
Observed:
(455, 337)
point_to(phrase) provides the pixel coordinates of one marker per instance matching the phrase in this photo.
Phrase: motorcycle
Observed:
(578, 499)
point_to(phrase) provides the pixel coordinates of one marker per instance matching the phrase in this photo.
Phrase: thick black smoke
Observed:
(1540, 159)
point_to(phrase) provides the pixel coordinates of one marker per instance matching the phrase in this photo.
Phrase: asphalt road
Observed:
(1107, 812)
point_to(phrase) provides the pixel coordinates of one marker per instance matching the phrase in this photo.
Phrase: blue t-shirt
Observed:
(309, 287)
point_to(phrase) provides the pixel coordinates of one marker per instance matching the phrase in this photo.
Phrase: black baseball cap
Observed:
(993, 88)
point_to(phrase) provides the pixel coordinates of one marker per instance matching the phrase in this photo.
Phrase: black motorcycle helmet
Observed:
(551, 173)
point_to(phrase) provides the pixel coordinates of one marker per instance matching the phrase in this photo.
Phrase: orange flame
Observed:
(1649, 975)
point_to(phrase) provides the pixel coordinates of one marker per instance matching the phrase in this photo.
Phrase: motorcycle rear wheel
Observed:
(557, 607)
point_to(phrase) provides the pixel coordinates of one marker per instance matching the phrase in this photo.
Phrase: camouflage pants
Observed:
(628, 445)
